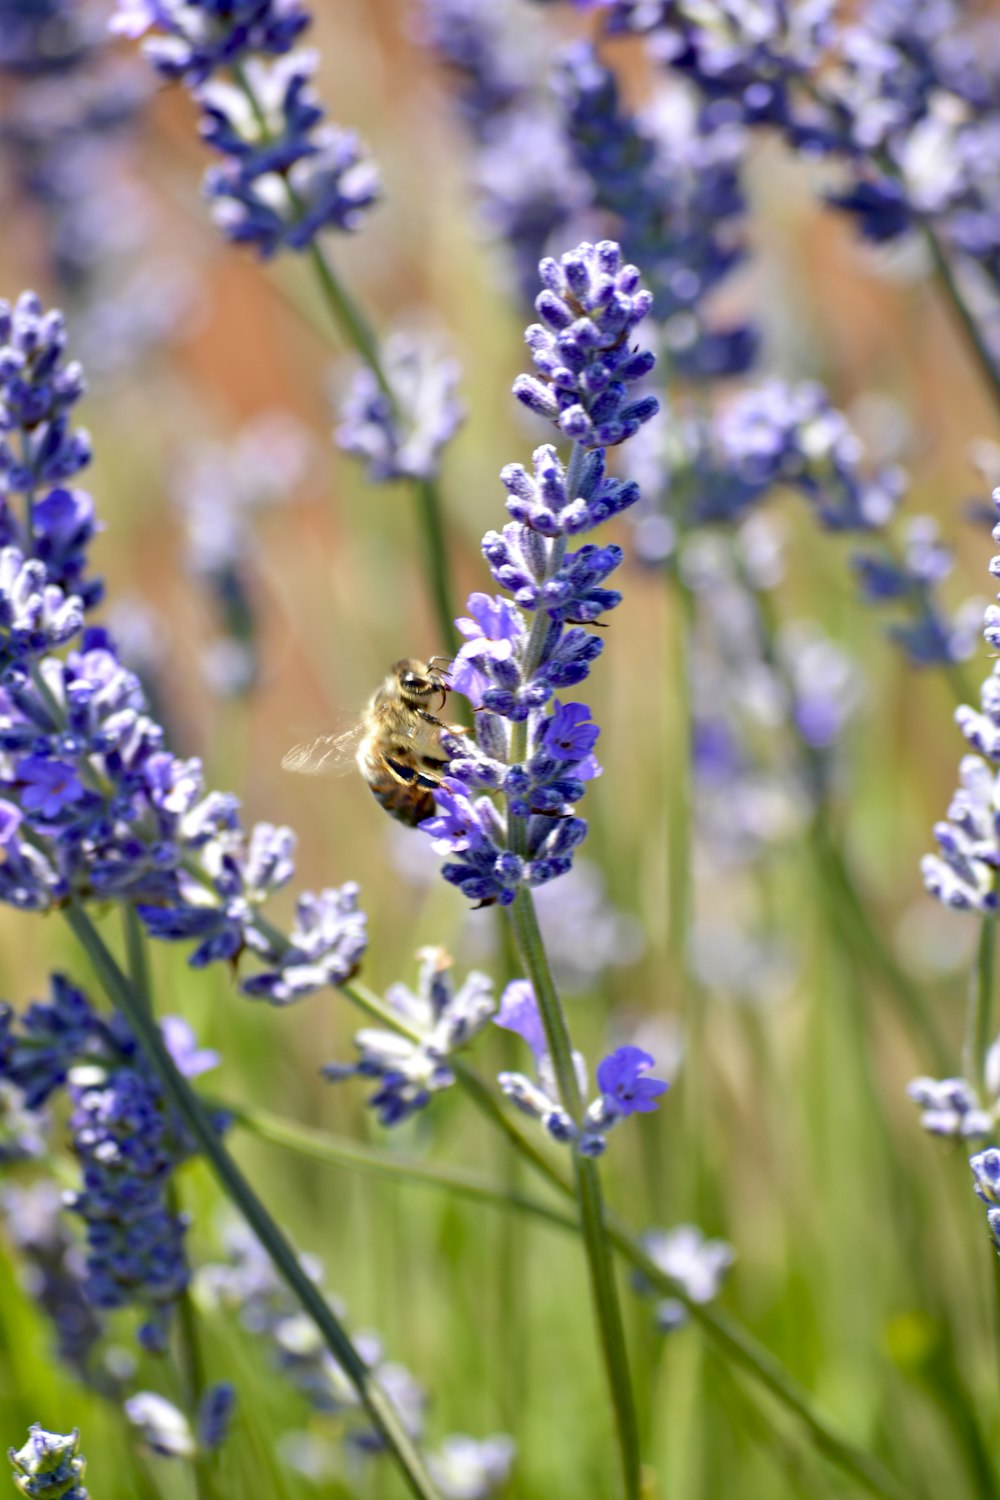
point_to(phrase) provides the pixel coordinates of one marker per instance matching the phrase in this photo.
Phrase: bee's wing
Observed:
(326, 755)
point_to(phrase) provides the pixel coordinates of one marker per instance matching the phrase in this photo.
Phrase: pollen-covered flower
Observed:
(408, 1071)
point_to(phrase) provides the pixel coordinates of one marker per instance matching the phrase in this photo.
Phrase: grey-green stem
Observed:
(379, 1408)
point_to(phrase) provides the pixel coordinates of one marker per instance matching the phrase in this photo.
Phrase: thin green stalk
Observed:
(979, 1018)
(735, 1341)
(436, 552)
(320, 1145)
(354, 327)
(190, 1364)
(966, 319)
(679, 829)
(858, 926)
(380, 1409)
(600, 1266)
(854, 912)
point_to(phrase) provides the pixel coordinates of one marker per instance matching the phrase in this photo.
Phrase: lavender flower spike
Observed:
(534, 749)
(590, 305)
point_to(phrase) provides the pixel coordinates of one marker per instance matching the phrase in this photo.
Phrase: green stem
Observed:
(603, 1289)
(191, 1367)
(966, 319)
(680, 813)
(355, 329)
(853, 911)
(436, 553)
(734, 1341)
(380, 1409)
(338, 1152)
(979, 1018)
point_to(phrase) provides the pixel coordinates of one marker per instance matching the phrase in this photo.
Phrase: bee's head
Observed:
(419, 680)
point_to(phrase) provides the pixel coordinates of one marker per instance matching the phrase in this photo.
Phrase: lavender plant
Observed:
(97, 813)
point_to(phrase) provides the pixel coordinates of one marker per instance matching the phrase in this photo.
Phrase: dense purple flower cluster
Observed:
(963, 873)
(39, 451)
(127, 1139)
(402, 436)
(590, 305)
(622, 1078)
(286, 173)
(408, 1070)
(50, 1466)
(92, 803)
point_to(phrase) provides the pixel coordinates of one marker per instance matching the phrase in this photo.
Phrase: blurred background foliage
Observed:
(862, 1260)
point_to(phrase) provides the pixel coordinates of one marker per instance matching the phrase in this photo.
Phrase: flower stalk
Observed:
(380, 1409)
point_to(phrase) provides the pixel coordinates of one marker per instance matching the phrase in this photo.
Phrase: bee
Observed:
(396, 746)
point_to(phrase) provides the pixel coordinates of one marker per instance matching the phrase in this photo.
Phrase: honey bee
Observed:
(396, 746)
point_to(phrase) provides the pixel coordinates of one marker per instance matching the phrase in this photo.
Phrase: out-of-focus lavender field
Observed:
(802, 581)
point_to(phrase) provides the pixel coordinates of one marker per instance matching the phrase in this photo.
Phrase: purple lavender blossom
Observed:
(672, 182)
(496, 55)
(986, 1171)
(950, 1107)
(621, 1077)
(592, 303)
(589, 306)
(215, 1414)
(50, 1466)
(625, 1090)
(103, 809)
(518, 1012)
(466, 1468)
